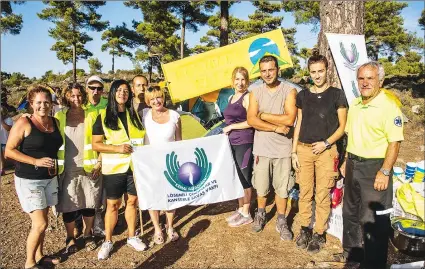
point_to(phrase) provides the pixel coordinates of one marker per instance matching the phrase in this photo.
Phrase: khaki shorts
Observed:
(272, 171)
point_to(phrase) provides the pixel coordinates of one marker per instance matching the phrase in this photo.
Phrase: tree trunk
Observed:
(339, 17)
(74, 62)
(150, 69)
(224, 23)
(113, 63)
(182, 37)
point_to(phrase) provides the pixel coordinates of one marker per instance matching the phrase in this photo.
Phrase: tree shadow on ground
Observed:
(170, 253)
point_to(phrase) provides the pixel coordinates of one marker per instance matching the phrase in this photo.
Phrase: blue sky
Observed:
(29, 52)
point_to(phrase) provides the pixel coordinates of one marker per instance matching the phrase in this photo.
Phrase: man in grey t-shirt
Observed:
(272, 112)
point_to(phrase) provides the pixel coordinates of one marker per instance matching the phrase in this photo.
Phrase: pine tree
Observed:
(383, 25)
(71, 18)
(10, 23)
(118, 39)
(224, 23)
(212, 38)
(343, 17)
(422, 20)
(192, 14)
(157, 33)
(261, 21)
(95, 66)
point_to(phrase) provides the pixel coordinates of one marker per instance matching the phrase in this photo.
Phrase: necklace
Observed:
(45, 128)
(319, 95)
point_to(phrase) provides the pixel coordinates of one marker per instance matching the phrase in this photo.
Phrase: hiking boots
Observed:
(282, 229)
(304, 237)
(317, 242)
(259, 222)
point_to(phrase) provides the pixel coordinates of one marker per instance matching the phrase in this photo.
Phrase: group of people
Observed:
(271, 130)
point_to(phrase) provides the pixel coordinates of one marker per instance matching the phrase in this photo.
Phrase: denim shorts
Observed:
(36, 194)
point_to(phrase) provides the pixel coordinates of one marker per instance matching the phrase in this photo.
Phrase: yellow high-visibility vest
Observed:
(90, 156)
(117, 163)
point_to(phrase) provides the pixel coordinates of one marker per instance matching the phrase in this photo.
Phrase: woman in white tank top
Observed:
(162, 125)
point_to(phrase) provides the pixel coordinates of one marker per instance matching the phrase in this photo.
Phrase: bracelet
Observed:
(35, 166)
(292, 153)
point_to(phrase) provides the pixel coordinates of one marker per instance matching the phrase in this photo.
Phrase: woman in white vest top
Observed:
(162, 125)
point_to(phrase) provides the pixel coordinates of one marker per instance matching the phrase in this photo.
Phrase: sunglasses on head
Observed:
(154, 88)
(94, 88)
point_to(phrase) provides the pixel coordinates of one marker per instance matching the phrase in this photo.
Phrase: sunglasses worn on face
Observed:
(154, 88)
(93, 88)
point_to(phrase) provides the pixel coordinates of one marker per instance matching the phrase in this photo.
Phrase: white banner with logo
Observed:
(189, 172)
(349, 52)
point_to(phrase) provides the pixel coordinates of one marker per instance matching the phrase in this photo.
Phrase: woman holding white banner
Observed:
(162, 125)
(116, 131)
(241, 137)
(322, 115)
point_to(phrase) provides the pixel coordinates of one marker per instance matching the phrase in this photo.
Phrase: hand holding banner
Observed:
(189, 172)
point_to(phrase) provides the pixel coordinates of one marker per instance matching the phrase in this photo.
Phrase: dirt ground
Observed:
(206, 240)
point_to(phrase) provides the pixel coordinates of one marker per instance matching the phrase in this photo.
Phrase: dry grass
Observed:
(408, 99)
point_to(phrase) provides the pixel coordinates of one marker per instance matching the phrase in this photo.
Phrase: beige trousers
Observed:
(316, 178)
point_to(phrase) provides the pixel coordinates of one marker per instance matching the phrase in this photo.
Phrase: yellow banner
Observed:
(212, 70)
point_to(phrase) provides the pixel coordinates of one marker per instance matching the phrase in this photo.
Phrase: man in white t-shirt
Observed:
(5, 126)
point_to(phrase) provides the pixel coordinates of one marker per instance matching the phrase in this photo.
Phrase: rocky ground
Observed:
(206, 240)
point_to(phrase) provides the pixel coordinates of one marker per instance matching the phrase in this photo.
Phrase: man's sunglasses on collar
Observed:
(154, 88)
(94, 88)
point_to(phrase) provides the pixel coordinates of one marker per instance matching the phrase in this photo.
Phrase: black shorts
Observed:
(244, 160)
(72, 216)
(117, 184)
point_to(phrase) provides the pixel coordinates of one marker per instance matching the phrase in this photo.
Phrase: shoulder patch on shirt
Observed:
(398, 121)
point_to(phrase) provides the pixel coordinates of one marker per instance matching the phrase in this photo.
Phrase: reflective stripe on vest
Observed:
(90, 156)
(117, 163)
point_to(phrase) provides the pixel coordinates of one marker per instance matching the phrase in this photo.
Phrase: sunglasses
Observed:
(93, 88)
(154, 88)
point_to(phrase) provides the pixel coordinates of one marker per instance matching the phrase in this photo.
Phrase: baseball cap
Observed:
(94, 78)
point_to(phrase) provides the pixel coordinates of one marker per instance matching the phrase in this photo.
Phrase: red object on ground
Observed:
(337, 193)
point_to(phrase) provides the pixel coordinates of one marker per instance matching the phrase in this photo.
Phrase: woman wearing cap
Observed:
(34, 143)
(80, 187)
(162, 126)
(116, 130)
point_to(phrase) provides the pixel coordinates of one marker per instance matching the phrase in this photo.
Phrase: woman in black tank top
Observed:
(34, 143)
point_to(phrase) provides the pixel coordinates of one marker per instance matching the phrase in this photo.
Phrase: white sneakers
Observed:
(107, 246)
(136, 243)
(104, 251)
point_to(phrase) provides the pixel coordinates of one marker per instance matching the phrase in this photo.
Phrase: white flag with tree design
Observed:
(190, 172)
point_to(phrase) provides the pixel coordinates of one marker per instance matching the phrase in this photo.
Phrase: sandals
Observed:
(89, 243)
(48, 260)
(70, 249)
(172, 235)
(158, 238)
(35, 266)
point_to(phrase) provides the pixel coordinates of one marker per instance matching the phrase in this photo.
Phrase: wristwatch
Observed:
(384, 171)
(328, 146)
